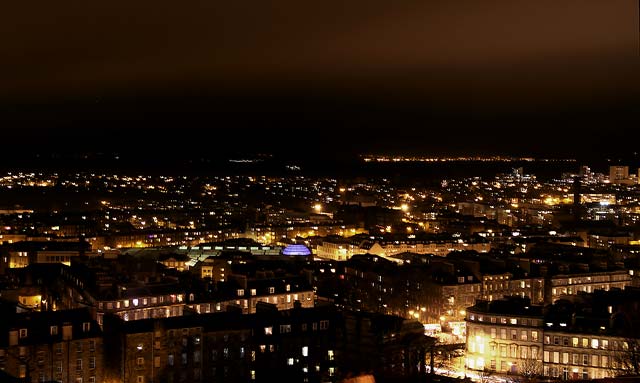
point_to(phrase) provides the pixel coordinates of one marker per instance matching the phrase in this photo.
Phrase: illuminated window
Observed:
(268, 330)
(305, 351)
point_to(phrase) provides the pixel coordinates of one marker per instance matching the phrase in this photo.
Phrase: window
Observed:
(605, 344)
(86, 326)
(140, 379)
(514, 334)
(196, 356)
(140, 362)
(330, 354)
(523, 335)
(594, 343)
(290, 361)
(585, 342)
(547, 339)
(574, 342)
(556, 357)
(240, 292)
(253, 292)
(170, 360)
(594, 360)
(92, 379)
(284, 328)
(78, 364)
(156, 362)
(585, 359)
(268, 330)
(493, 333)
(556, 340)
(53, 330)
(305, 351)
(534, 336)
(92, 345)
(23, 333)
(272, 290)
(324, 324)
(503, 333)
(503, 350)
(92, 363)
(513, 321)
(546, 357)
(565, 357)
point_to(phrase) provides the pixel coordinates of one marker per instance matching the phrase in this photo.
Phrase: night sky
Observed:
(542, 77)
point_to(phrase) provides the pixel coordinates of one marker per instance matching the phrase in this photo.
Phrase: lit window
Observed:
(305, 351)
(290, 361)
(268, 330)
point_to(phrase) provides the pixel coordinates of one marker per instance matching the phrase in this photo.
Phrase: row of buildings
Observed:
(587, 336)
(318, 344)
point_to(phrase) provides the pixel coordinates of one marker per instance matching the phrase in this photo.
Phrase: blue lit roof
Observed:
(296, 250)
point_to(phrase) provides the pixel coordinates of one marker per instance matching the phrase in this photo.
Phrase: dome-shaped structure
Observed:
(296, 250)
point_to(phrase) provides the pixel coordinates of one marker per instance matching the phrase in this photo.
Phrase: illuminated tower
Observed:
(618, 173)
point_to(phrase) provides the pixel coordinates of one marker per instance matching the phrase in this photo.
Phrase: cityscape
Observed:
(121, 277)
(417, 191)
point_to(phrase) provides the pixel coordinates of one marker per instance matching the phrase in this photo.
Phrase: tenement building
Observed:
(584, 336)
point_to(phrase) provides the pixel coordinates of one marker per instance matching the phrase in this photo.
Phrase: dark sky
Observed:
(534, 77)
